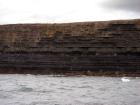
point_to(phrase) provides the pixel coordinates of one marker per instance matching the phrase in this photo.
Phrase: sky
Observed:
(64, 11)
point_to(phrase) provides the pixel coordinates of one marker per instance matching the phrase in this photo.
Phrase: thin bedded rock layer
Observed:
(70, 47)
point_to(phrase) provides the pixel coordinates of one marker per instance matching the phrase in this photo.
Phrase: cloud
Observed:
(55, 11)
(126, 5)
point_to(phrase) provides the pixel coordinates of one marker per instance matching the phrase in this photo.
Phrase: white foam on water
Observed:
(125, 79)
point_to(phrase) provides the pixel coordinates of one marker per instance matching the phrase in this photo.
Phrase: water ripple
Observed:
(49, 90)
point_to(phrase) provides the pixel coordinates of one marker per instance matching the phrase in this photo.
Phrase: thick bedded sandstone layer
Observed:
(71, 47)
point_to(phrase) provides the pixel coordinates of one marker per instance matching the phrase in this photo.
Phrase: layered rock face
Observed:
(87, 46)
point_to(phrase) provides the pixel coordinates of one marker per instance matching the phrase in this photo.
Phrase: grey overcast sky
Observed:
(127, 5)
(56, 11)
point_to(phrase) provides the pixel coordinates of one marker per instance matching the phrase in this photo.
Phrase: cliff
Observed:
(71, 47)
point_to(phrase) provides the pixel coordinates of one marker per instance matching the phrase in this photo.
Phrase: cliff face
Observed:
(112, 45)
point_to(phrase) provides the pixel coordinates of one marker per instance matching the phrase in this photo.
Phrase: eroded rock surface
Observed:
(85, 46)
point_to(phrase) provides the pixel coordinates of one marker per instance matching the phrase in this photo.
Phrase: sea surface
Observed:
(28, 89)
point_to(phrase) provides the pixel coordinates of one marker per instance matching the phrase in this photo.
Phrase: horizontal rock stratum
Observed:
(71, 47)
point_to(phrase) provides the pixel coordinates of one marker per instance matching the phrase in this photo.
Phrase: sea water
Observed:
(18, 89)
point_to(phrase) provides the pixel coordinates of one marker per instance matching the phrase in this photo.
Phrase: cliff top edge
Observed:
(123, 21)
